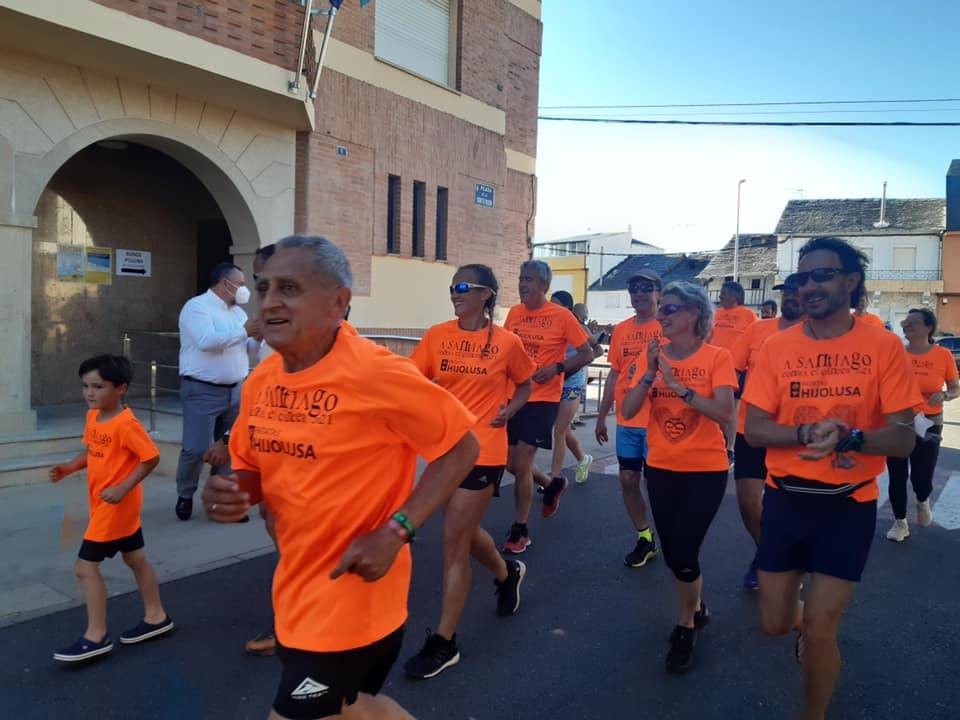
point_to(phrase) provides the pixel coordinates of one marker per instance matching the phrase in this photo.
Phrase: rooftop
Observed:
(670, 266)
(757, 256)
(594, 236)
(857, 216)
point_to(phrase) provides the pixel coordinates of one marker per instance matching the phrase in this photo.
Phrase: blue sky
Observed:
(676, 186)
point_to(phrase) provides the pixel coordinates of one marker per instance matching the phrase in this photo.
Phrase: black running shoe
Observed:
(680, 657)
(701, 618)
(644, 551)
(83, 650)
(551, 496)
(145, 631)
(508, 591)
(184, 508)
(437, 655)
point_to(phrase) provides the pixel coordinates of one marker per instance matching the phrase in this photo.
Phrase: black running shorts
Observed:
(95, 551)
(748, 461)
(316, 684)
(533, 424)
(483, 476)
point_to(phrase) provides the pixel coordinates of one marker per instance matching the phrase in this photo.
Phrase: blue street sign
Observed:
(341, 151)
(483, 195)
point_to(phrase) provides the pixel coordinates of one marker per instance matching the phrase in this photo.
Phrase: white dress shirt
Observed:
(213, 340)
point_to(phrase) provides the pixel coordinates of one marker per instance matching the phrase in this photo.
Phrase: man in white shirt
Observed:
(213, 362)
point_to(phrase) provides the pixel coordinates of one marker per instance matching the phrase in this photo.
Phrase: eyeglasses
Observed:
(673, 308)
(464, 288)
(818, 275)
(635, 288)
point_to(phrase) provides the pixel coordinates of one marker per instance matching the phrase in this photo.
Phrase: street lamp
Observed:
(736, 238)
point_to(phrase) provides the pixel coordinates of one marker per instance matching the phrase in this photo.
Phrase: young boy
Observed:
(118, 456)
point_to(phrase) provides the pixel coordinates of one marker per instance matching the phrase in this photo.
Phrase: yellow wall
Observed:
(406, 294)
(574, 267)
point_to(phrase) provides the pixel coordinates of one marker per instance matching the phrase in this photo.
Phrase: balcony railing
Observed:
(880, 274)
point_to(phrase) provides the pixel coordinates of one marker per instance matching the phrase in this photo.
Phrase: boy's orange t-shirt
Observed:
(744, 352)
(545, 333)
(335, 446)
(932, 370)
(857, 377)
(481, 375)
(114, 450)
(628, 356)
(729, 325)
(680, 438)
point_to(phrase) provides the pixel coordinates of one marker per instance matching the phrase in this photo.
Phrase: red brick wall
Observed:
(268, 30)
(523, 46)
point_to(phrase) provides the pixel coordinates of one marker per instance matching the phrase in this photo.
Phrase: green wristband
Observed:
(401, 517)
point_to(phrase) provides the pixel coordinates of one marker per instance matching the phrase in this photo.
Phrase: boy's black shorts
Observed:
(95, 551)
(315, 684)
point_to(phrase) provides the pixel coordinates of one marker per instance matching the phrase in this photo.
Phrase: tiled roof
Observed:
(670, 266)
(839, 217)
(757, 256)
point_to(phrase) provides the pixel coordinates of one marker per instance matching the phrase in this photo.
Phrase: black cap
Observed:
(646, 274)
(785, 286)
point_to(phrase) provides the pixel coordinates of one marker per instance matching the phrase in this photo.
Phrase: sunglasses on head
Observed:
(641, 287)
(464, 288)
(672, 308)
(818, 275)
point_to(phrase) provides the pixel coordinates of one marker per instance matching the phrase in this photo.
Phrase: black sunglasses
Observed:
(818, 275)
(635, 288)
(464, 288)
(672, 308)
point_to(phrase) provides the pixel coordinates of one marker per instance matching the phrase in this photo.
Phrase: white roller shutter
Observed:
(415, 34)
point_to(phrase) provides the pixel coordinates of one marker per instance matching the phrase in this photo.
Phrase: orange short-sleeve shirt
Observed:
(871, 319)
(628, 356)
(744, 352)
(857, 377)
(114, 450)
(335, 446)
(933, 370)
(680, 438)
(728, 325)
(545, 333)
(479, 374)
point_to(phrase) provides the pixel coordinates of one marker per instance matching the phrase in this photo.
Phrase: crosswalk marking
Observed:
(612, 469)
(946, 511)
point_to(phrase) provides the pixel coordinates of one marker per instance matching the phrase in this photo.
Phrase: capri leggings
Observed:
(684, 504)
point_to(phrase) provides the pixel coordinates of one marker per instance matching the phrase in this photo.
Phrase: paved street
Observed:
(589, 641)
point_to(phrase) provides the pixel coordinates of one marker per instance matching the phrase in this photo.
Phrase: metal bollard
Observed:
(153, 396)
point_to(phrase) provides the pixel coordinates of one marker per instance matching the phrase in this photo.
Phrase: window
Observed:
(905, 258)
(755, 284)
(418, 35)
(393, 214)
(442, 195)
(419, 209)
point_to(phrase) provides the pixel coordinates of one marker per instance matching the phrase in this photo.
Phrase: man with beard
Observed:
(749, 468)
(830, 399)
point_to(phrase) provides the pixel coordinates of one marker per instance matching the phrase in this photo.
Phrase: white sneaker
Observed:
(924, 514)
(583, 468)
(899, 531)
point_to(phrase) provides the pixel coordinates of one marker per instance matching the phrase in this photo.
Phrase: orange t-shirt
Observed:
(482, 381)
(679, 437)
(857, 377)
(546, 332)
(335, 446)
(744, 352)
(628, 356)
(933, 369)
(114, 450)
(728, 325)
(870, 319)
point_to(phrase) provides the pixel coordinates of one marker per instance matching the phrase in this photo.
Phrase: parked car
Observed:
(951, 343)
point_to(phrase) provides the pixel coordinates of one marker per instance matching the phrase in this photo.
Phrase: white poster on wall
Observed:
(133, 262)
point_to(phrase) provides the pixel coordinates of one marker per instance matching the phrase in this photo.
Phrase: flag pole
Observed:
(331, 16)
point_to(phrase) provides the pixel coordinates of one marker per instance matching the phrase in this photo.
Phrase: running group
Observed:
(806, 408)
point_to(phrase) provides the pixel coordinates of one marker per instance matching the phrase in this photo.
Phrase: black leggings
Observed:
(684, 504)
(919, 467)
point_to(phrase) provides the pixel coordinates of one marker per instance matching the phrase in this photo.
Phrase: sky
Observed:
(676, 186)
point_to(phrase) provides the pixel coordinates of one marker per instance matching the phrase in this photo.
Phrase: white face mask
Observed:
(241, 295)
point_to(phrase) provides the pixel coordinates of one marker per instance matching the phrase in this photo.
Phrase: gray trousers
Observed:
(208, 412)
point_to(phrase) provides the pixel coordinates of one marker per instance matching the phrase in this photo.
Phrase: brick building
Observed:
(178, 130)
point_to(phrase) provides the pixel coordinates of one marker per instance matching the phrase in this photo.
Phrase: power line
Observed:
(779, 113)
(749, 123)
(747, 104)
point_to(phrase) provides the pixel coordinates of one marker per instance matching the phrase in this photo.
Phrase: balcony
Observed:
(903, 274)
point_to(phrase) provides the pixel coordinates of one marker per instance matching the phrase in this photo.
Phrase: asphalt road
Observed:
(589, 641)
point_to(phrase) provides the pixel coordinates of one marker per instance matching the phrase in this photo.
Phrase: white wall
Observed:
(881, 250)
(609, 306)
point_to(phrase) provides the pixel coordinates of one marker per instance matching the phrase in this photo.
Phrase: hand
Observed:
(545, 374)
(223, 499)
(600, 431)
(114, 494)
(502, 417)
(218, 455)
(824, 437)
(252, 326)
(937, 399)
(653, 355)
(370, 556)
(58, 473)
(666, 371)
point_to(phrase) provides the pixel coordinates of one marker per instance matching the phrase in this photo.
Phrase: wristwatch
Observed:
(853, 442)
(560, 368)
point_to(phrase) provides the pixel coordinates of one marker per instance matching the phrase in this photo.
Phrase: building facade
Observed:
(756, 269)
(599, 252)
(180, 134)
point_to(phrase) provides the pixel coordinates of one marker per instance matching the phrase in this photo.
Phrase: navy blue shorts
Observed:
(815, 533)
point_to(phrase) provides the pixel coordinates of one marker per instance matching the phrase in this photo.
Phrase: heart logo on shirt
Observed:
(676, 427)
